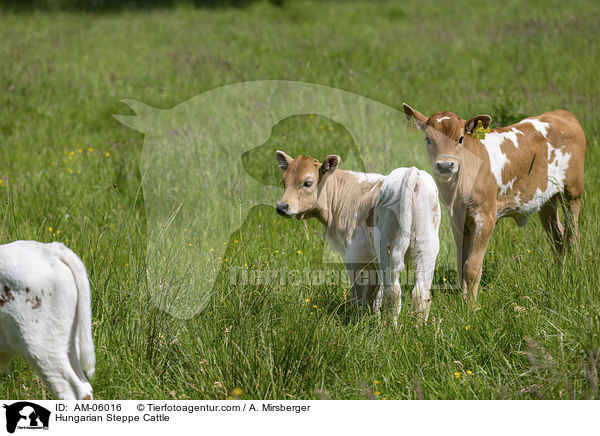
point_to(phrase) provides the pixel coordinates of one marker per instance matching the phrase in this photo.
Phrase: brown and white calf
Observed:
(513, 172)
(373, 221)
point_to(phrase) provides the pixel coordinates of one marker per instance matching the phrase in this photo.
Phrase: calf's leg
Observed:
(460, 261)
(473, 265)
(424, 261)
(466, 242)
(363, 282)
(571, 208)
(425, 245)
(391, 261)
(5, 359)
(49, 359)
(554, 229)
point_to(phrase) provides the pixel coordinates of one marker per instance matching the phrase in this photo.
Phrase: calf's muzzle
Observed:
(283, 208)
(444, 166)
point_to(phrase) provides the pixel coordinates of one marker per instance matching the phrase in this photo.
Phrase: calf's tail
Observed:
(87, 355)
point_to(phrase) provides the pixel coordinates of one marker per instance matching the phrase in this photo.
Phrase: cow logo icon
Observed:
(202, 156)
(26, 415)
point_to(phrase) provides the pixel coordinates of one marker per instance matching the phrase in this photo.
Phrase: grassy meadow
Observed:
(70, 172)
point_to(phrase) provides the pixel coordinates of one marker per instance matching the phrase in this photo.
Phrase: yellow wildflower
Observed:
(237, 392)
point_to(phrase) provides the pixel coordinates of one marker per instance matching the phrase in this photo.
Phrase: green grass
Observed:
(535, 332)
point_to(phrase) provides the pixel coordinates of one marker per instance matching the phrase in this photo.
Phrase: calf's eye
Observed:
(427, 141)
(307, 184)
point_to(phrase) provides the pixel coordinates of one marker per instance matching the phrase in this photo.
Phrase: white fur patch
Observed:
(45, 314)
(366, 177)
(538, 125)
(509, 185)
(556, 181)
(498, 159)
(440, 119)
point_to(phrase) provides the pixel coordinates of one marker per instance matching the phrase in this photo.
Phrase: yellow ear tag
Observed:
(411, 125)
(480, 131)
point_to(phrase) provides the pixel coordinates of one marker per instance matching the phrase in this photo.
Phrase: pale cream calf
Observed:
(373, 221)
(45, 315)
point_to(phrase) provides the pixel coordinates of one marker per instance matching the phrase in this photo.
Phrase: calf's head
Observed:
(303, 178)
(445, 135)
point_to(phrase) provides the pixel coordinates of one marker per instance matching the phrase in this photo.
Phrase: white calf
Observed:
(374, 221)
(45, 315)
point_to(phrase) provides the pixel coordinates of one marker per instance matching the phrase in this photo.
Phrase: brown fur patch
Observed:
(36, 303)
(7, 297)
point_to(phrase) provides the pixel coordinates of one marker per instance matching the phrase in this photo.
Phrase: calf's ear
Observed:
(486, 120)
(330, 163)
(418, 117)
(283, 159)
